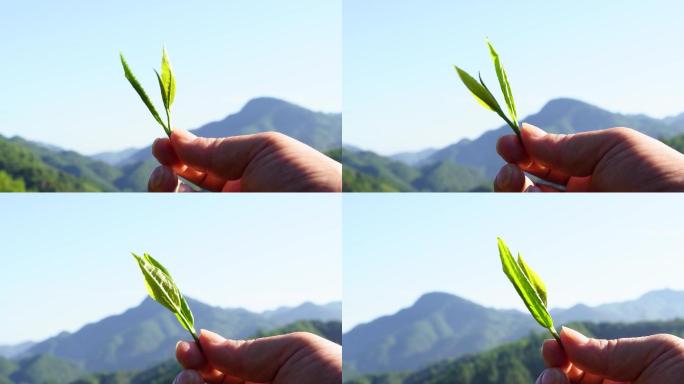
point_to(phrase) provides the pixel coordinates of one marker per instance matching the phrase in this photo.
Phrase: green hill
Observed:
(366, 171)
(519, 362)
(46, 369)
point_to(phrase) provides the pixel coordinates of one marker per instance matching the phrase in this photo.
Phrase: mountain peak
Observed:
(261, 104)
(438, 299)
(564, 105)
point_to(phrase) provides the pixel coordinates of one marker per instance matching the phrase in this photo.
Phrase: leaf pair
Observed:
(485, 97)
(529, 286)
(167, 87)
(161, 287)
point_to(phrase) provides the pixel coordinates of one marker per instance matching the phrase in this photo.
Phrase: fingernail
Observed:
(505, 176)
(188, 377)
(532, 188)
(182, 346)
(532, 131)
(577, 337)
(553, 376)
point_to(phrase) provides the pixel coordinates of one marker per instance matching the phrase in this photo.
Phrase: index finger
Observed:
(512, 151)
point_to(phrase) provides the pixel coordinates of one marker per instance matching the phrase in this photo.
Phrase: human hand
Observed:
(611, 160)
(263, 162)
(299, 357)
(657, 359)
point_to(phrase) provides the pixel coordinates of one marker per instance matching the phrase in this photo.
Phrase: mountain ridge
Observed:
(440, 325)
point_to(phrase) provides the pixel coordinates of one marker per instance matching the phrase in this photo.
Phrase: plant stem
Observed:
(557, 337)
(194, 336)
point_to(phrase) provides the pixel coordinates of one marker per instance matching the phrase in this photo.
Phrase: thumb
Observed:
(223, 157)
(619, 359)
(574, 154)
(257, 360)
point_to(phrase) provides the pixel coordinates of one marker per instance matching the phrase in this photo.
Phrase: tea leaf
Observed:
(523, 286)
(161, 287)
(141, 92)
(164, 93)
(534, 279)
(503, 83)
(168, 79)
(479, 91)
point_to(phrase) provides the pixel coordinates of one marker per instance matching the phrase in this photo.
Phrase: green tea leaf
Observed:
(141, 92)
(164, 93)
(479, 91)
(161, 287)
(534, 279)
(168, 79)
(503, 83)
(523, 286)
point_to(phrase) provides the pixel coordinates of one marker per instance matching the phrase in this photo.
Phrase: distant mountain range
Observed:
(48, 369)
(440, 325)
(518, 362)
(146, 334)
(479, 157)
(31, 166)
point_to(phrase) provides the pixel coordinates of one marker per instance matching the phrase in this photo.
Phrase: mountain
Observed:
(49, 369)
(322, 131)
(441, 325)
(437, 326)
(16, 349)
(366, 171)
(145, 335)
(557, 116)
(31, 166)
(413, 158)
(518, 362)
(307, 310)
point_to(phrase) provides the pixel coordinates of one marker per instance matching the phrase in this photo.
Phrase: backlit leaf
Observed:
(523, 286)
(503, 83)
(161, 287)
(168, 79)
(534, 279)
(141, 92)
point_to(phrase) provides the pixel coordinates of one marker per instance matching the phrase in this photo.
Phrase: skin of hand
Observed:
(641, 360)
(263, 162)
(295, 358)
(611, 160)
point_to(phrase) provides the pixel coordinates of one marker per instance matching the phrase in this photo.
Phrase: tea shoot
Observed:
(529, 286)
(161, 287)
(167, 87)
(486, 98)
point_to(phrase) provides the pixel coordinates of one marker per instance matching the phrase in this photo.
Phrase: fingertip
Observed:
(189, 355)
(163, 151)
(529, 131)
(182, 136)
(553, 354)
(509, 179)
(162, 179)
(552, 376)
(511, 150)
(188, 377)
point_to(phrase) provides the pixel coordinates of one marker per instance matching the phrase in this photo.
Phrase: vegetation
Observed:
(517, 362)
(46, 369)
(365, 171)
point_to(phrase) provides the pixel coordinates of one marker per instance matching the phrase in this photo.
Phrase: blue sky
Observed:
(62, 82)
(401, 92)
(589, 249)
(66, 258)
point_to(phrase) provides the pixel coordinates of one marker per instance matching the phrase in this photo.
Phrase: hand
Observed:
(263, 162)
(616, 159)
(655, 359)
(300, 358)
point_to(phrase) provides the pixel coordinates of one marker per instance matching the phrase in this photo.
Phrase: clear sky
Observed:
(66, 258)
(62, 82)
(401, 92)
(589, 249)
